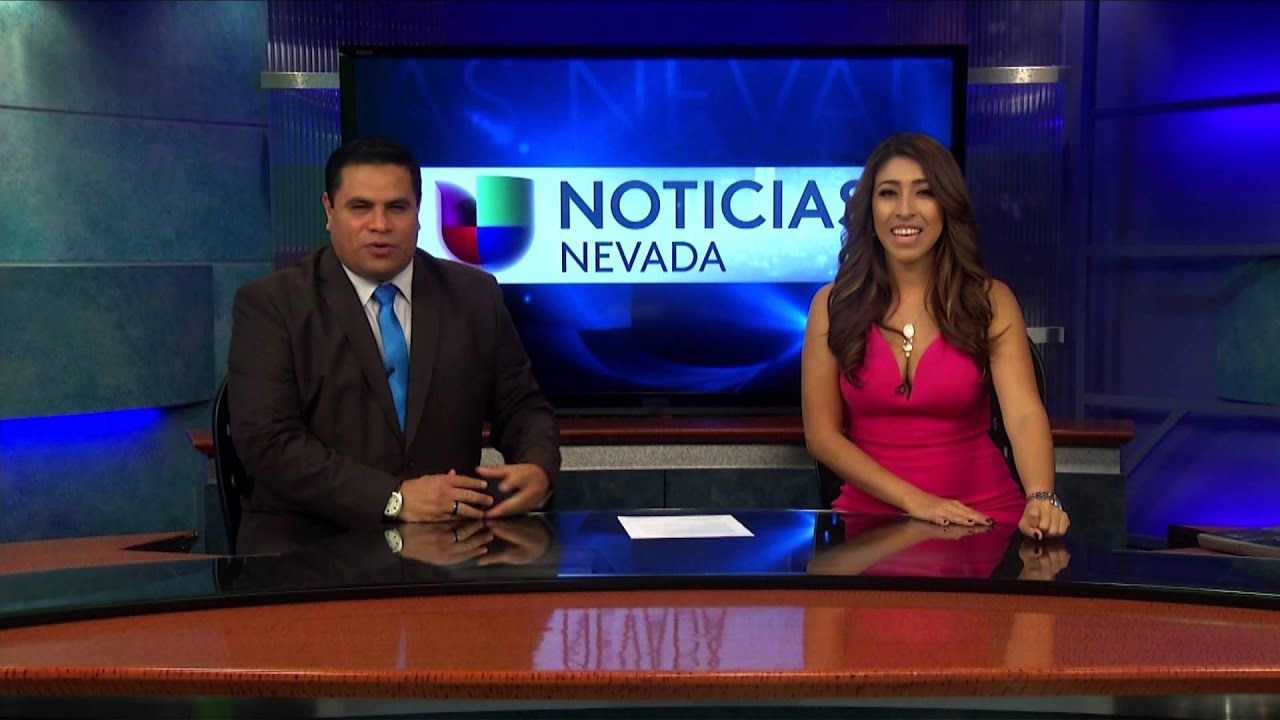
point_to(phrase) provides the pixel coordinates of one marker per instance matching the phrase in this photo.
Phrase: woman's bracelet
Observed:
(1052, 497)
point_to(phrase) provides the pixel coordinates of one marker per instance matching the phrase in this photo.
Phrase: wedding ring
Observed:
(455, 508)
(455, 536)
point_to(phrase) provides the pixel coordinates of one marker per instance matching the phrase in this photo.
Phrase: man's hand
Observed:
(441, 544)
(526, 483)
(441, 498)
(526, 538)
(1041, 520)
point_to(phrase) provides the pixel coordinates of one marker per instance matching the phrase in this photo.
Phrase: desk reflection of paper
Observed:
(683, 526)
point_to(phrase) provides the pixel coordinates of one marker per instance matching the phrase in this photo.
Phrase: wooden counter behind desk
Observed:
(762, 430)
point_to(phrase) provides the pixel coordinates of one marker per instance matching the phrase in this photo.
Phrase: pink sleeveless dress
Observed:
(935, 439)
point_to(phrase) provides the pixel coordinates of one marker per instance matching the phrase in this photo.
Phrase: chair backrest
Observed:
(829, 484)
(234, 482)
(999, 435)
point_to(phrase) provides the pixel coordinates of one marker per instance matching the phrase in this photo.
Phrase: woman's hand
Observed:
(1042, 561)
(941, 511)
(1042, 519)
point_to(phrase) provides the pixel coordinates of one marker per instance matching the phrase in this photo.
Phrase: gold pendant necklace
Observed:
(908, 344)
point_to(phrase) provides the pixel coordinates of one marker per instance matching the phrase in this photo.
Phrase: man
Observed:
(359, 379)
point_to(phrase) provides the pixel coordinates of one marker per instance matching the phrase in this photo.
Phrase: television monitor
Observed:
(658, 220)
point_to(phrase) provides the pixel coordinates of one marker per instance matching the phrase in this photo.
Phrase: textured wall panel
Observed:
(92, 188)
(1014, 173)
(191, 60)
(1249, 334)
(1014, 170)
(1161, 334)
(107, 474)
(304, 131)
(84, 339)
(227, 279)
(1003, 33)
(132, 134)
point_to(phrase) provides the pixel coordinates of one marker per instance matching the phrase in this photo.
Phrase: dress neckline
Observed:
(908, 381)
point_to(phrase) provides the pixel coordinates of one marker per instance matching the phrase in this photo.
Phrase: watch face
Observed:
(393, 505)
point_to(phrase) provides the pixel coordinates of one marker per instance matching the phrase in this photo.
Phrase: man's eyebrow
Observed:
(357, 199)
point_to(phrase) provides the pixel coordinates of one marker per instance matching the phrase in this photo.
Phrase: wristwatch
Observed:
(1052, 497)
(394, 503)
(394, 540)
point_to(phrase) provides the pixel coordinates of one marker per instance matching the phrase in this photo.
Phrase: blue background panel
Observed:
(93, 188)
(1176, 50)
(84, 339)
(154, 59)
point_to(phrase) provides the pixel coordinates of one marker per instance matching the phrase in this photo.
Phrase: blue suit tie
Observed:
(395, 351)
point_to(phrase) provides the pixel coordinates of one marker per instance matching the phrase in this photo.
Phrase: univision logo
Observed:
(494, 228)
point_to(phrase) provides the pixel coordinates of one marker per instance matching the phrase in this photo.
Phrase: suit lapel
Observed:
(341, 297)
(427, 296)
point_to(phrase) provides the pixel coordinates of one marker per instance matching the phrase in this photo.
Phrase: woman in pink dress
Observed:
(900, 349)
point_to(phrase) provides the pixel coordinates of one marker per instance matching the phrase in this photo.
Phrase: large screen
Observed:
(658, 222)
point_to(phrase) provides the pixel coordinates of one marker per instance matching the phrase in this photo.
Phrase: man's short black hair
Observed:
(371, 151)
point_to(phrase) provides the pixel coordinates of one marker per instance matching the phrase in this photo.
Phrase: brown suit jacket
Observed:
(311, 411)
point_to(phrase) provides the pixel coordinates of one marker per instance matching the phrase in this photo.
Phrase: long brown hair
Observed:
(863, 291)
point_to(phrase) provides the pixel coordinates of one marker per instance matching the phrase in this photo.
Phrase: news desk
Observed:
(814, 615)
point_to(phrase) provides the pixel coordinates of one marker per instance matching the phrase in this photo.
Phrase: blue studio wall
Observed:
(1182, 257)
(133, 146)
(146, 175)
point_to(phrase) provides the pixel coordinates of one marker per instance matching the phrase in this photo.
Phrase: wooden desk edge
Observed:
(630, 685)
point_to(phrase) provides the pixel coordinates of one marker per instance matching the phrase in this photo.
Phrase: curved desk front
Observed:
(812, 611)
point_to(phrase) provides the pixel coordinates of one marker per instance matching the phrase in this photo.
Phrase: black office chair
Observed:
(997, 431)
(234, 482)
(829, 484)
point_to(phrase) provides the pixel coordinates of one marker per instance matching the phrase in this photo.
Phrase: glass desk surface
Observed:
(787, 549)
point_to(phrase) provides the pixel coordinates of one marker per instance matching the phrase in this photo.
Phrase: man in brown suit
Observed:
(317, 349)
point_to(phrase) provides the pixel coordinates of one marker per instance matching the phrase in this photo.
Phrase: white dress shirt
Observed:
(403, 304)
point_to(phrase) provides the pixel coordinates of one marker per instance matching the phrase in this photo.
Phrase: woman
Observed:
(899, 350)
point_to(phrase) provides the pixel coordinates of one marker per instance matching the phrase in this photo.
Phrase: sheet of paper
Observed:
(646, 527)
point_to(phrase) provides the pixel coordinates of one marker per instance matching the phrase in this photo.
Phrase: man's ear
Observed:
(328, 209)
